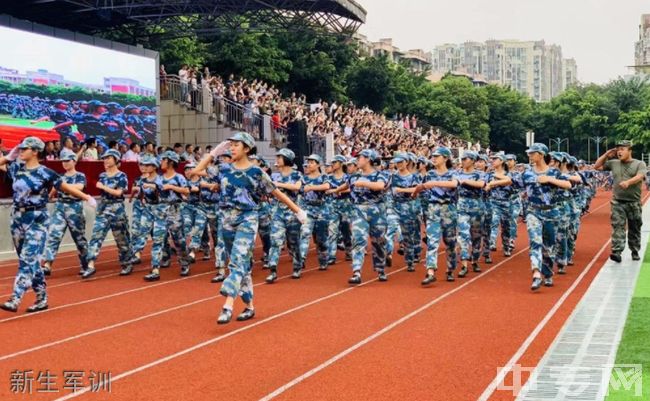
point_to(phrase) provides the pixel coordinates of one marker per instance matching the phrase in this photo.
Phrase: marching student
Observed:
(439, 187)
(68, 214)
(242, 188)
(540, 182)
(31, 183)
(515, 202)
(367, 188)
(170, 187)
(470, 210)
(499, 194)
(137, 233)
(340, 209)
(486, 215)
(111, 215)
(314, 185)
(403, 184)
(285, 225)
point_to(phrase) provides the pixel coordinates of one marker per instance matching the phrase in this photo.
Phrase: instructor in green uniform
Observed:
(628, 173)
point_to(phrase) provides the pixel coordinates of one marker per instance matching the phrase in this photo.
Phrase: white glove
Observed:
(11, 156)
(220, 149)
(92, 202)
(301, 216)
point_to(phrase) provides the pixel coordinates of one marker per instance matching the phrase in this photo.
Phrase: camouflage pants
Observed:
(264, 229)
(562, 233)
(167, 221)
(195, 221)
(501, 217)
(143, 229)
(369, 219)
(111, 216)
(622, 213)
(469, 228)
(515, 212)
(408, 213)
(574, 228)
(339, 224)
(418, 231)
(285, 226)
(486, 227)
(215, 219)
(315, 226)
(67, 216)
(239, 229)
(442, 221)
(541, 233)
(28, 232)
(392, 228)
(136, 221)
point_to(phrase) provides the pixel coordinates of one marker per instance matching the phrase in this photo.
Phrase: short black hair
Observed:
(133, 145)
(188, 146)
(177, 145)
(112, 144)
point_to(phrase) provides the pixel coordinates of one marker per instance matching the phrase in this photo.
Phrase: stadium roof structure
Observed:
(178, 17)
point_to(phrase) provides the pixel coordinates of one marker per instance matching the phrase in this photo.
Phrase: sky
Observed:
(23, 51)
(598, 34)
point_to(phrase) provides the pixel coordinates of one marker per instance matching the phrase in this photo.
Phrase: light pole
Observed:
(558, 141)
(598, 140)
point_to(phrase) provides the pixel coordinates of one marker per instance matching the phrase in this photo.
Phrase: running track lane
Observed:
(358, 311)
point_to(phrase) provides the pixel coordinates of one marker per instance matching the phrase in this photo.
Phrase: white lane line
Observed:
(223, 337)
(378, 333)
(489, 390)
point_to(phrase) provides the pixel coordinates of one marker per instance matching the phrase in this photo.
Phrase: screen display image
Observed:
(55, 88)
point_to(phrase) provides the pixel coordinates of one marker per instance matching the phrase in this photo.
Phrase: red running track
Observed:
(312, 339)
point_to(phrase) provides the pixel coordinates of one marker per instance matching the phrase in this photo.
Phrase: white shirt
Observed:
(131, 156)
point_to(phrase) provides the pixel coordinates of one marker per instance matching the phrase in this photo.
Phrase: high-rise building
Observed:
(570, 72)
(642, 46)
(530, 67)
(416, 59)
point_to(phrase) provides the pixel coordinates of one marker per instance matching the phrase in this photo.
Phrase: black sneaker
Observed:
(331, 262)
(507, 253)
(296, 274)
(570, 262)
(355, 279)
(382, 276)
(126, 270)
(225, 316)
(493, 248)
(400, 251)
(561, 269)
(220, 277)
(191, 257)
(247, 314)
(47, 271)
(430, 278)
(88, 272)
(463, 272)
(389, 261)
(153, 276)
(537, 283)
(165, 263)
(323, 267)
(616, 257)
(488, 260)
(270, 279)
(10, 306)
(418, 259)
(548, 282)
(476, 268)
(450, 276)
(635, 255)
(185, 271)
(410, 269)
(40, 305)
(348, 257)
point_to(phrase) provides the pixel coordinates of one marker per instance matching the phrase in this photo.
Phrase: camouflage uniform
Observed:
(442, 219)
(515, 207)
(407, 210)
(368, 217)
(29, 220)
(68, 214)
(575, 212)
(285, 225)
(340, 210)
(111, 214)
(195, 218)
(168, 221)
(470, 211)
(499, 199)
(137, 233)
(313, 203)
(564, 205)
(241, 193)
(211, 203)
(541, 218)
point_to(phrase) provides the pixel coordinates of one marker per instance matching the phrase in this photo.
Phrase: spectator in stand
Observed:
(149, 149)
(113, 145)
(88, 150)
(184, 81)
(133, 154)
(50, 152)
(178, 148)
(122, 148)
(162, 76)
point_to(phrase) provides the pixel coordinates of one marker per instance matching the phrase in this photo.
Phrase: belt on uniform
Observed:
(147, 202)
(314, 203)
(69, 201)
(112, 201)
(542, 207)
(442, 202)
(29, 209)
